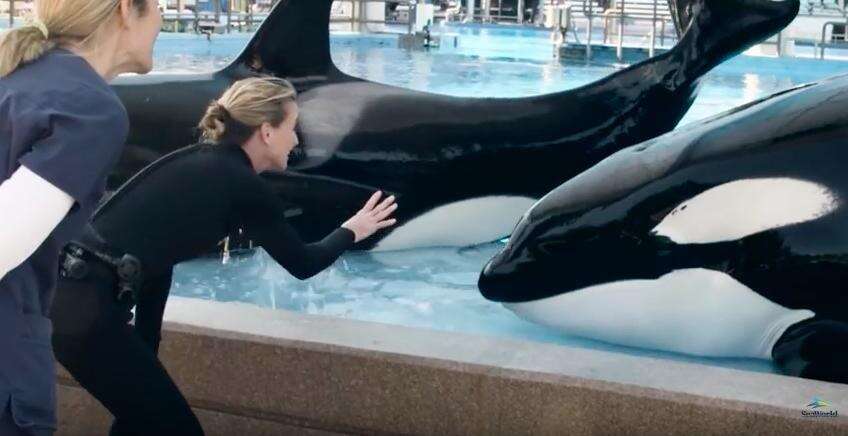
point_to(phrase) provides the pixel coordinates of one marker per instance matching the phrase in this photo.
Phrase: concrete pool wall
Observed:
(248, 370)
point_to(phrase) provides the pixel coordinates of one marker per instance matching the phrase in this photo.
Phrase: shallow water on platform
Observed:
(434, 288)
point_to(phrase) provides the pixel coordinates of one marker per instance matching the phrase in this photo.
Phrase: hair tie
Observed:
(223, 111)
(38, 24)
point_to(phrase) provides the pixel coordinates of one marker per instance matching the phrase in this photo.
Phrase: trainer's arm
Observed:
(31, 208)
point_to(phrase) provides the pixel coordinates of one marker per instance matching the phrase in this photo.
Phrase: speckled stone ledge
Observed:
(276, 372)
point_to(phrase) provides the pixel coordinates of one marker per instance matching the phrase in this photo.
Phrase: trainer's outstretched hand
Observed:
(374, 216)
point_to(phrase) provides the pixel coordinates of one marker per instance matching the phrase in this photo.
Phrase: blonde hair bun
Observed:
(214, 122)
(244, 106)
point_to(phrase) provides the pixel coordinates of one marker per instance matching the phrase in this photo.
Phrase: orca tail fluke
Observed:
(721, 29)
(681, 14)
(294, 41)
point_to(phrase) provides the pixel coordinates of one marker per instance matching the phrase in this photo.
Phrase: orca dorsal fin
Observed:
(294, 41)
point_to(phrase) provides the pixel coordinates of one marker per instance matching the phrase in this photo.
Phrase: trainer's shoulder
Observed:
(226, 158)
(61, 83)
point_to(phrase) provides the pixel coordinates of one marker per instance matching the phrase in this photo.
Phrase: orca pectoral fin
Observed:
(316, 205)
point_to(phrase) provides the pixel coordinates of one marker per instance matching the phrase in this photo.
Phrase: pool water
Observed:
(436, 287)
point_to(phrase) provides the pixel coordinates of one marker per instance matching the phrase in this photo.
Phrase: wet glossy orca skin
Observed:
(464, 169)
(722, 238)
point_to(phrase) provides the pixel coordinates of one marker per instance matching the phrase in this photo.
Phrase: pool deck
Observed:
(253, 371)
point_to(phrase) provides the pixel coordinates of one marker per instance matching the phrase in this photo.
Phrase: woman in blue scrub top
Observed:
(62, 131)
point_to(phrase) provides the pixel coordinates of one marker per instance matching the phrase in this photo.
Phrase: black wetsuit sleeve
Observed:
(301, 260)
(262, 214)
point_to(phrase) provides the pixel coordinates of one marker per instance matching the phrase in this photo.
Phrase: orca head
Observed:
(565, 242)
(646, 211)
(740, 192)
(580, 234)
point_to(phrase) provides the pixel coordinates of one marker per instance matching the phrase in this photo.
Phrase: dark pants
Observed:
(115, 361)
(9, 428)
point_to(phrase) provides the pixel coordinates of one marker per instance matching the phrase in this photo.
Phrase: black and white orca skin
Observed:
(712, 239)
(463, 169)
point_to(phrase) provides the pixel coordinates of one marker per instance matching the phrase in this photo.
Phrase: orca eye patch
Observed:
(741, 208)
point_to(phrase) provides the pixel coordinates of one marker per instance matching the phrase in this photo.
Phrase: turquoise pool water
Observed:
(436, 287)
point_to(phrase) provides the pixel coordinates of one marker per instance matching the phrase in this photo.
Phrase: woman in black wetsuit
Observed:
(175, 209)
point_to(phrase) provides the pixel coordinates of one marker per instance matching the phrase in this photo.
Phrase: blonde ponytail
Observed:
(21, 45)
(56, 22)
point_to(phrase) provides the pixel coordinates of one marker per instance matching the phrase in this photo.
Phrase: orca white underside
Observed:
(459, 224)
(744, 207)
(692, 311)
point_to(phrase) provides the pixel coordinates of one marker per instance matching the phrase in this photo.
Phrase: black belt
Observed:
(78, 254)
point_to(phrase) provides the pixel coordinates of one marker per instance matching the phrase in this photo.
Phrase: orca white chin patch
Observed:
(692, 311)
(459, 224)
(744, 207)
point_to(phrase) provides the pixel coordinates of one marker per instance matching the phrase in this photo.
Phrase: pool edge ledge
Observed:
(323, 374)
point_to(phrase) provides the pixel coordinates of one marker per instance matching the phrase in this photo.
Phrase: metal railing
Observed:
(358, 16)
(488, 7)
(639, 11)
(826, 8)
(18, 8)
(208, 21)
(823, 44)
(564, 17)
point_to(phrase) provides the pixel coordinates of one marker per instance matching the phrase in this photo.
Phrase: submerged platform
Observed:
(253, 371)
(606, 53)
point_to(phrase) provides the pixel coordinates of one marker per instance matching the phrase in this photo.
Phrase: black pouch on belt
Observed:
(78, 254)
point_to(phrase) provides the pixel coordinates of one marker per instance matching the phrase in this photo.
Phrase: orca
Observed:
(724, 238)
(463, 169)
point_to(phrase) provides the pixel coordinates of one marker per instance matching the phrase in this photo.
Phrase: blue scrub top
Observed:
(62, 121)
